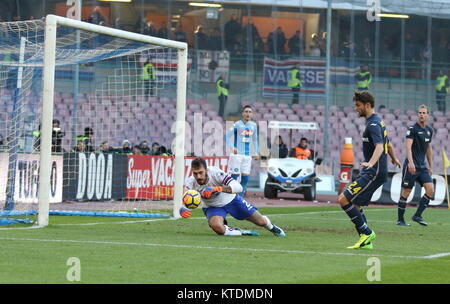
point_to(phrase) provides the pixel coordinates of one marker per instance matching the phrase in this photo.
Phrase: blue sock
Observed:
(423, 204)
(364, 218)
(244, 181)
(401, 208)
(235, 176)
(356, 217)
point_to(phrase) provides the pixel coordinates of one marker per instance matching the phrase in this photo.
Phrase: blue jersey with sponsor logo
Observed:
(421, 140)
(242, 135)
(375, 133)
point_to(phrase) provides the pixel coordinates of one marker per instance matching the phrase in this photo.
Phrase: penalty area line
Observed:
(198, 218)
(306, 252)
(435, 256)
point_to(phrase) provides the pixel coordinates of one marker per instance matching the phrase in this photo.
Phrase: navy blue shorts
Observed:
(360, 192)
(422, 176)
(238, 208)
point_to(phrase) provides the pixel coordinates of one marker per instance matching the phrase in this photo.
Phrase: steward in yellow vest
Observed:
(295, 83)
(441, 87)
(222, 94)
(149, 78)
(363, 78)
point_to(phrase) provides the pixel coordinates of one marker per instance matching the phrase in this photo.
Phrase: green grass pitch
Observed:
(187, 251)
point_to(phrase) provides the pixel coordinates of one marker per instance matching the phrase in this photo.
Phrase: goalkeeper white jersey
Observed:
(216, 177)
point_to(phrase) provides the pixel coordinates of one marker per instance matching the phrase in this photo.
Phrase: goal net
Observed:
(81, 106)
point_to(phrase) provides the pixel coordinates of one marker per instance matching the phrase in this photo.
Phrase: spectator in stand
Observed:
(365, 50)
(57, 136)
(118, 23)
(155, 149)
(231, 29)
(96, 16)
(278, 149)
(106, 148)
(348, 48)
(215, 40)
(253, 41)
(180, 35)
(145, 149)
(200, 39)
(163, 32)
(164, 152)
(1, 140)
(296, 44)
(411, 50)
(279, 40)
(238, 47)
(441, 52)
(80, 147)
(150, 29)
(137, 150)
(126, 147)
(87, 138)
(315, 46)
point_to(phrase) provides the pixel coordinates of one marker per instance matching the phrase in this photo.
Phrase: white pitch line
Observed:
(21, 228)
(435, 256)
(199, 218)
(211, 247)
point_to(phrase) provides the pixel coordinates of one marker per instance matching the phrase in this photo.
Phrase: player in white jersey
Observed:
(244, 133)
(218, 191)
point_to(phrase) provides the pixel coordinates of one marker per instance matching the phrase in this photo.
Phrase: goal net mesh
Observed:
(113, 98)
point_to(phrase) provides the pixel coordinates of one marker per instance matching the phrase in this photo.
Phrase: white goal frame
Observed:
(51, 23)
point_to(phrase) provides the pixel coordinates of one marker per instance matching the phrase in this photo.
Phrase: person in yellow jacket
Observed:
(441, 87)
(363, 78)
(222, 94)
(295, 82)
(149, 78)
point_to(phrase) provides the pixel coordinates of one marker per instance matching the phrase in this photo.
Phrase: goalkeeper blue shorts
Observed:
(238, 208)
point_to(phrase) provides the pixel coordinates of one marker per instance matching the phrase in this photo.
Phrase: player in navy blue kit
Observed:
(418, 146)
(373, 172)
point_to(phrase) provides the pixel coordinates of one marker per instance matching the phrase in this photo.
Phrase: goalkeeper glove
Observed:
(208, 191)
(185, 212)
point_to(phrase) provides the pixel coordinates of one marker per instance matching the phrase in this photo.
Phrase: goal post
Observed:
(98, 44)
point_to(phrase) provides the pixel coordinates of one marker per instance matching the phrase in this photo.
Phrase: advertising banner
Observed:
(27, 178)
(94, 176)
(276, 76)
(151, 177)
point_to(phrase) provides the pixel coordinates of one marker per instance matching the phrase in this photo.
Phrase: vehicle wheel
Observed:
(270, 191)
(310, 192)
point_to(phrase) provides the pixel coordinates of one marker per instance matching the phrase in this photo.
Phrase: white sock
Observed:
(231, 231)
(269, 224)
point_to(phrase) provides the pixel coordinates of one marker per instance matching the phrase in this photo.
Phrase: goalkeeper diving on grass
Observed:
(218, 191)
